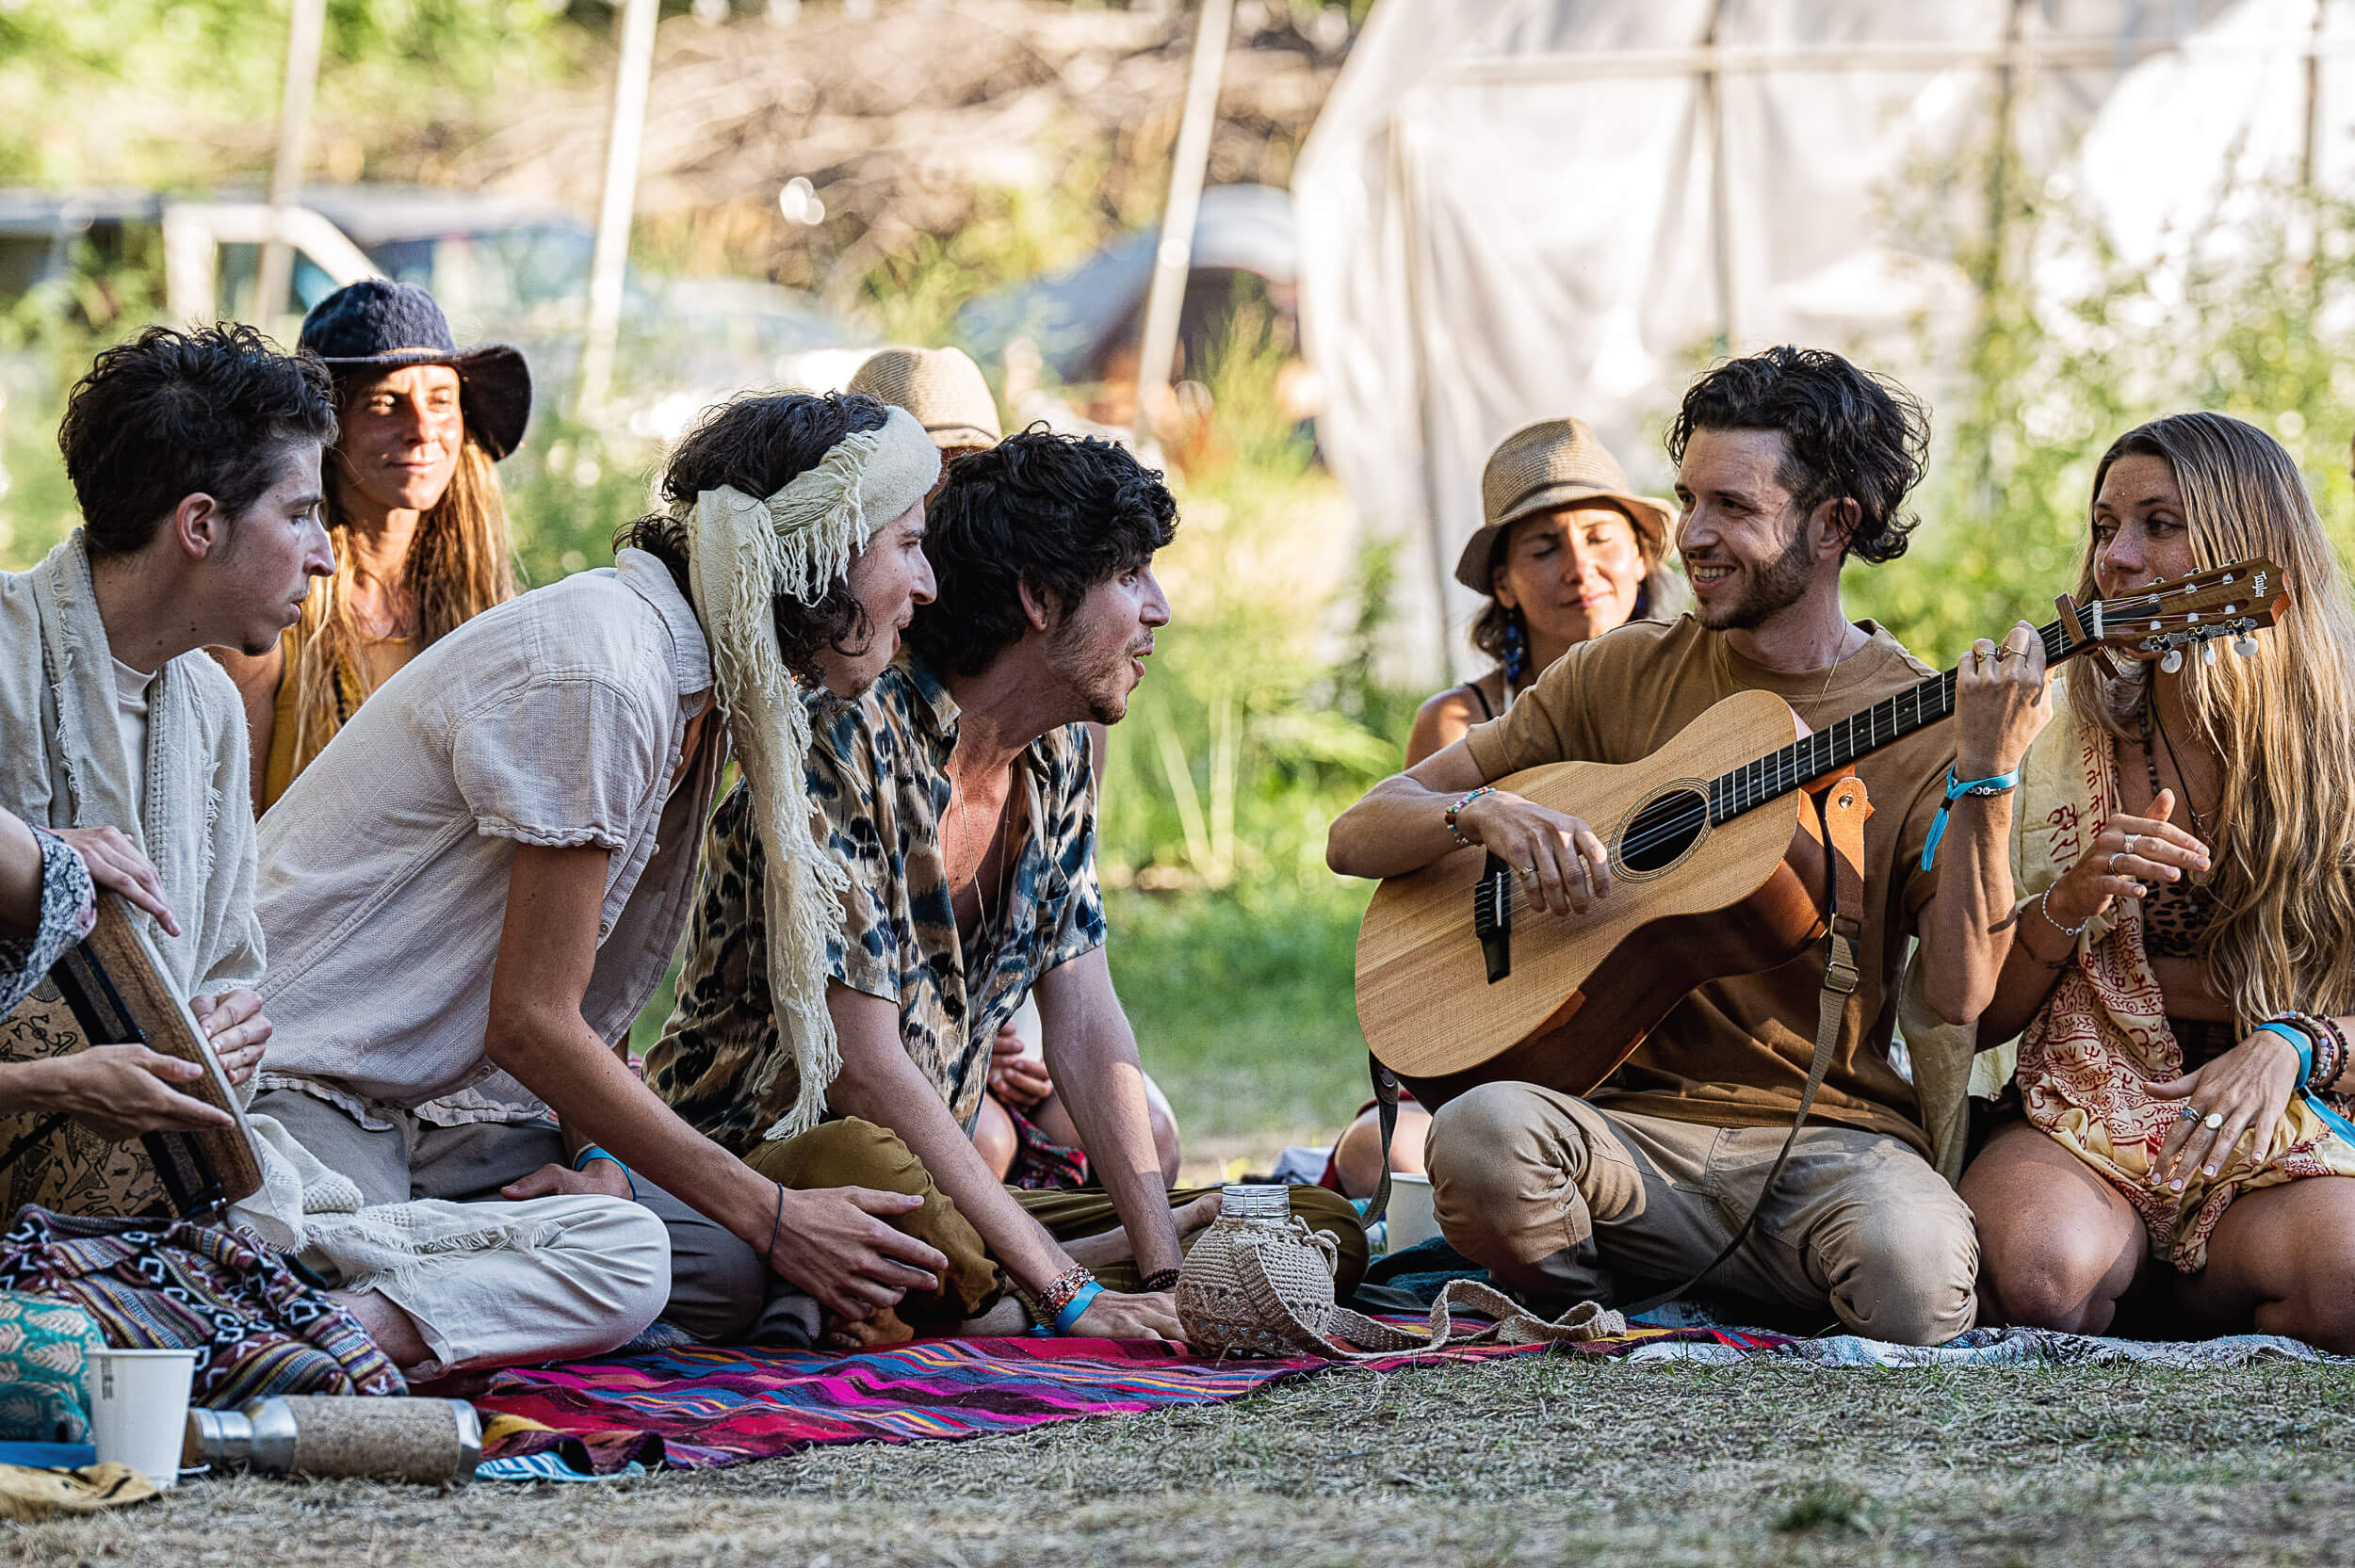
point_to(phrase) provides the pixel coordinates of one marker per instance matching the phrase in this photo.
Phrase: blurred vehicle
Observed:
(1079, 329)
(501, 269)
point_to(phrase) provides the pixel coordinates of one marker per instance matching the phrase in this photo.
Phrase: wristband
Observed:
(1454, 832)
(2299, 1042)
(2002, 784)
(581, 1162)
(1074, 1308)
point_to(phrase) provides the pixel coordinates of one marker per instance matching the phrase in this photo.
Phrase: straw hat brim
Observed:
(1652, 519)
(495, 386)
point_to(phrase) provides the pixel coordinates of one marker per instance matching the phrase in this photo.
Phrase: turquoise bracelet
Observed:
(2002, 784)
(1073, 1310)
(2305, 1049)
(581, 1162)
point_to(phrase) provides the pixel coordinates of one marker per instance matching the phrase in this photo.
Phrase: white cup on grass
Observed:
(1410, 1216)
(139, 1409)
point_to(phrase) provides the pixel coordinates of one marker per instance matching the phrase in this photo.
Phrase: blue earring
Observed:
(1515, 650)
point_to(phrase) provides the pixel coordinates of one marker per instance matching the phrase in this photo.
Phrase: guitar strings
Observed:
(2147, 607)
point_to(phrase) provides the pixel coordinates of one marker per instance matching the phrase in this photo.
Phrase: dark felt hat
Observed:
(377, 324)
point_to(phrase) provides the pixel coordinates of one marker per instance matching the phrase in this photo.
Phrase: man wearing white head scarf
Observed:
(479, 882)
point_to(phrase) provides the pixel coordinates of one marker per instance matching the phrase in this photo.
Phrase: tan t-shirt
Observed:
(1735, 1052)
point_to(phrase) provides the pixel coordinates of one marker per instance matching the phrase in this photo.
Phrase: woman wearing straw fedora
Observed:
(1566, 551)
(414, 511)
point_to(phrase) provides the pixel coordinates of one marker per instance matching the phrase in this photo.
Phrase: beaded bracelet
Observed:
(1456, 833)
(1154, 1283)
(2330, 1048)
(1062, 1288)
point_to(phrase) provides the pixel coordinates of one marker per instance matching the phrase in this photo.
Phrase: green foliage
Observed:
(2257, 321)
(120, 92)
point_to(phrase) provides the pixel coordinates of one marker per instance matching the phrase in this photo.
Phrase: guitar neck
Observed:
(1836, 746)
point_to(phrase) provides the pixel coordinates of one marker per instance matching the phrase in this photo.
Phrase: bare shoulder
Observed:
(1443, 719)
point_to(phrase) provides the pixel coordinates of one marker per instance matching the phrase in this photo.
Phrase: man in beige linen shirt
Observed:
(1790, 463)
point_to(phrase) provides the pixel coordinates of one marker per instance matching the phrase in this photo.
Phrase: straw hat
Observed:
(1551, 463)
(942, 387)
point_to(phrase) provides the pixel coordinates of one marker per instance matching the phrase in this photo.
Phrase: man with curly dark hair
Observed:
(959, 797)
(1791, 464)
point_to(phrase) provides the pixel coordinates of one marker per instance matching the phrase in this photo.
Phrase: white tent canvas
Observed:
(1517, 209)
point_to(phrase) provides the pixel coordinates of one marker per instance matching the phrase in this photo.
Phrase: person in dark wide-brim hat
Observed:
(413, 510)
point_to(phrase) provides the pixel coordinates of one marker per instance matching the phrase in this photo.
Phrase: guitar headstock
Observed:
(2161, 620)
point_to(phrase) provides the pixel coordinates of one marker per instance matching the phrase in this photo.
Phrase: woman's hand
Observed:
(2244, 1091)
(118, 865)
(1558, 858)
(238, 1031)
(1113, 1316)
(2125, 859)
(1017, 1078)
(117, 1091)
(2002, 703)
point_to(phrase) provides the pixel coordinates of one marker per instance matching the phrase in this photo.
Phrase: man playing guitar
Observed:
(1790, 463)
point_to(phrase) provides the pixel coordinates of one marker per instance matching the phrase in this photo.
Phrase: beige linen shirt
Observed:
(557, 719)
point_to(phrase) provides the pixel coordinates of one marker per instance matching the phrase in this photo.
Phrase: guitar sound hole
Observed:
(1663, 831)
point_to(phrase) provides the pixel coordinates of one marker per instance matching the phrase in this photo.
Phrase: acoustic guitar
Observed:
(1463, 978)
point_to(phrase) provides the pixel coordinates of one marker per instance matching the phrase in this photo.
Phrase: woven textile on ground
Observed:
(170, 1285)
(712, 1406)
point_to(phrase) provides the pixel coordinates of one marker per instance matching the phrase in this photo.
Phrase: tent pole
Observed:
(1426, 412)
(305, 31)
(1720, 185)
(1172, 258)
(609, 260)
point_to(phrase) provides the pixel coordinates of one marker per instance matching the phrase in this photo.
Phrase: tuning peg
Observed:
(2207, 653)
(2244, 645)
(2172, 661)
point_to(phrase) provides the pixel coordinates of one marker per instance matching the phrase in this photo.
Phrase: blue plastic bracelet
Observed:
(2002, 784)
(581, 1162)
(1078, 1306)
(2305, 1048)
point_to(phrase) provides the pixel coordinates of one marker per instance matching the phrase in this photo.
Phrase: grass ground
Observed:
(1536, 1461)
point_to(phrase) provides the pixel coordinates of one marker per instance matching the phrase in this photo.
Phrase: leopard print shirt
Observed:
(68, 909)
(878, 779)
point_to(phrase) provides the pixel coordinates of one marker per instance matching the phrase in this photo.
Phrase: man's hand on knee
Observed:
(837, 1243)
(600, 1178)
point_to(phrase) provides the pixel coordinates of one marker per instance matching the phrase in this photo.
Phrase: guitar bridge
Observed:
(1492, 917)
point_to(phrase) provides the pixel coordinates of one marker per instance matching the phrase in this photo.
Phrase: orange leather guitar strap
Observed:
(1845, 805)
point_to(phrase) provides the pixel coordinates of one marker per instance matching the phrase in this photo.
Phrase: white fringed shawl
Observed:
(743, 553)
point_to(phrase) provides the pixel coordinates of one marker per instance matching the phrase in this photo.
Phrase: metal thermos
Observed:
(431, 1441)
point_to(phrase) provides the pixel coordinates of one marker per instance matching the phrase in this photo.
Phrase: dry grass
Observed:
(1532, 1461)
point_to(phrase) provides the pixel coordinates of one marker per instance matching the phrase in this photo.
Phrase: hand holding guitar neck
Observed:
(2001, 702)
(1555, 856)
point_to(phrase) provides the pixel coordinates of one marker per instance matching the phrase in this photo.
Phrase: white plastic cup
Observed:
(138, 1408)
(1411, 1220)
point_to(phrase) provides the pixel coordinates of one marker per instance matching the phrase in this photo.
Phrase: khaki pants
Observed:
(848, 1152)
(1568, 1201)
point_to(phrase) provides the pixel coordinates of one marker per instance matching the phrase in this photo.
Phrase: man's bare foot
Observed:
(886, 1328)
(1197, 1215)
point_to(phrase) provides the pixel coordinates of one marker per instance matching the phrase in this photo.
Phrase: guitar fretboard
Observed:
(1838, 745)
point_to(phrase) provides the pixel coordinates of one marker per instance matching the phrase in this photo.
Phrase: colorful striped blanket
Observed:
(701, 1405)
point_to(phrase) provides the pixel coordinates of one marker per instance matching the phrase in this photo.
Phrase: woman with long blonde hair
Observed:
(414, 511)
(2182, 971)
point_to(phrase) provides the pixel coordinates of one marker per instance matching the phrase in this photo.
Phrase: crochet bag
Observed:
(1260, 1283)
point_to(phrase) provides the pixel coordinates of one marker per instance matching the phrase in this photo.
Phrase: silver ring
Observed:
(2130, 841)
(2111, 868)
(2189, 1113)
(2214, 1120)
